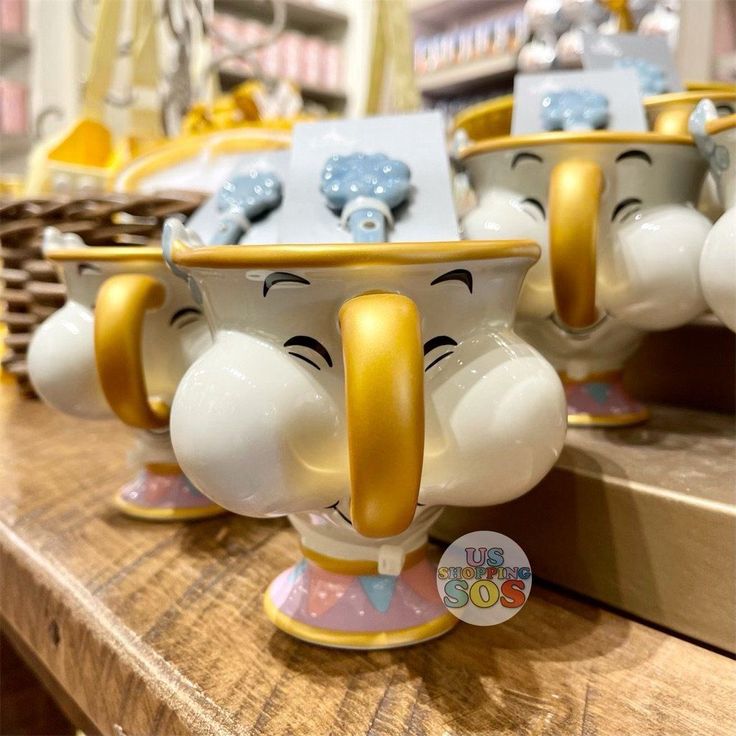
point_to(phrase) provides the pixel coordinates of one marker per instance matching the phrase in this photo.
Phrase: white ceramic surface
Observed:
(63, 366)
(261, 427)
(648, 244)
(718, 261)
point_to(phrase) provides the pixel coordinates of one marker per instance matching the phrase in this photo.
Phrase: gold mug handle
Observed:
(384, 398)
(122, 303)
(574, 201)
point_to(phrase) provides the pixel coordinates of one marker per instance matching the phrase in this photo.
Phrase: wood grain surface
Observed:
(158, 629)
(633, 517)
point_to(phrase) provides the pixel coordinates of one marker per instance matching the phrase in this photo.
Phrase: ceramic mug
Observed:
(716, 139)
(620, 246)
(128, 331)
(356, 388)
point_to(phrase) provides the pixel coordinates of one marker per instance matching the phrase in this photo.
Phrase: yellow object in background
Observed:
(86, 155)
(249, 104)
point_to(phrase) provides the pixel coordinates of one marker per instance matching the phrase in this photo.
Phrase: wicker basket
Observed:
(32, 290)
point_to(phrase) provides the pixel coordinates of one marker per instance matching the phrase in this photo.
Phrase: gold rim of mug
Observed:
(657, 103)
(326, 255)
(493, 117)
(720, 125)
(90, 254)
(594, 136)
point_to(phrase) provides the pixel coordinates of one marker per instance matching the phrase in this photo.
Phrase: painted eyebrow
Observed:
(459, 274)
(309, 342)
(87, 268)
(279, 277)
(623, 204)
(436, 342)
(182, 312)
(635, 153)
(525, 155)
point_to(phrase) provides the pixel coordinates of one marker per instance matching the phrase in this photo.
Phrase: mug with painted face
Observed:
(621, 242)
(716, 140)
(119, 346)
(357, 388)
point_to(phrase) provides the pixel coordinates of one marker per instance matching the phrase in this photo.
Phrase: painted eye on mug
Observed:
(534, 208)
(441, 341)
(626, 209)
(185, 317)
(311, 344)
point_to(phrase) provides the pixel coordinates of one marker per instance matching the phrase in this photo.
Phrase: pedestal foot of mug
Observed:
(358, 611)
(164, 493)
(602, 401)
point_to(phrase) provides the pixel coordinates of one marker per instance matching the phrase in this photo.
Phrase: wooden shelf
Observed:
(628, 516)
(300, 16)
(329, 98)
(169, 618)
(461, 78)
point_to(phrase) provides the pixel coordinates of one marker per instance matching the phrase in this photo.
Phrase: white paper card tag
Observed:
(418, 140)
(649, 56)
(619, 87)
(204, 221)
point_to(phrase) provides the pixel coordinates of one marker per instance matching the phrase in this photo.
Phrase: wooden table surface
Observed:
(158, 628)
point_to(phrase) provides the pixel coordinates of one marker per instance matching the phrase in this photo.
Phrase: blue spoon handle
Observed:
(367, 226)
(229, 230)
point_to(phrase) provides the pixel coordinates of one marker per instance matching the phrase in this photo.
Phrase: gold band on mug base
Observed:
(607, 420)
(166, 514)
(357, 639)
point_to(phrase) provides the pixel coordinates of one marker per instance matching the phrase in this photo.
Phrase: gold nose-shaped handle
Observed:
(384, 397)
(574, 202)
(121, 306)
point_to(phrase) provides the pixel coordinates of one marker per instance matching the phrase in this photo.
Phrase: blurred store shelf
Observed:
(330, 98)
(463, 77)
(13, 45)
(300, 16)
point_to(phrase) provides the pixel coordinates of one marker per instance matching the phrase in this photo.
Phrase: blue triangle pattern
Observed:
(598, 391)
(379, 589)
(297, 570)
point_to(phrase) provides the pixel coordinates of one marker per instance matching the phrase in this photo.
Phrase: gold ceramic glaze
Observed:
(656, 102)
(357, 640)
(120, 253)
(669, 114)
(153, 513)
(121, 305)
(488, 119)
(384, 406)
(574, 199)
(567, 138)
(699, 86)
(719, 125)
(326, 255)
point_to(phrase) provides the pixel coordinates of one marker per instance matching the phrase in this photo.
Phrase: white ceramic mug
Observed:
(716, 139)
(119, 346)
(620, 239)
(356, 388)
